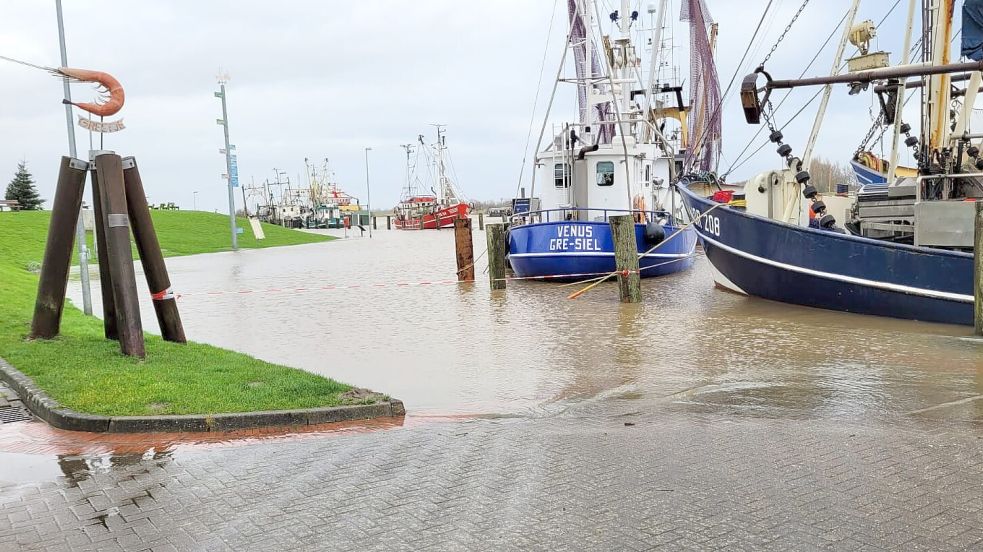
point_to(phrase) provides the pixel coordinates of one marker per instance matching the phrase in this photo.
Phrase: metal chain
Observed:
(785, 32)
(769, 113)
(878, 123)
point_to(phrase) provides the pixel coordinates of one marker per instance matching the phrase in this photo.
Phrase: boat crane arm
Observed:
(753, 103)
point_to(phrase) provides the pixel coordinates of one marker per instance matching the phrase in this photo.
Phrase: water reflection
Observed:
(448, 349)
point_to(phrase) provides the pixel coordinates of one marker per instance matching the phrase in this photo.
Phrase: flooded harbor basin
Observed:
(380, 313)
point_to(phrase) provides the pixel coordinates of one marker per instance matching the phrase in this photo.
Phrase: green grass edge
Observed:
(85, 372)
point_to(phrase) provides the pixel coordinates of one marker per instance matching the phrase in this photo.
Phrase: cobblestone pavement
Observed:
(601, 477)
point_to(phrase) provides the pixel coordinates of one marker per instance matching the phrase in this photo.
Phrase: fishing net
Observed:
(704, 90)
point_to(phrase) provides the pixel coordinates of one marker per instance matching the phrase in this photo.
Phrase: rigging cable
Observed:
(737, 70)
(535, 102)
(26, 63)
(737, 164)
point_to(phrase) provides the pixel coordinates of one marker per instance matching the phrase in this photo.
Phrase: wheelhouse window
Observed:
(561, 175)
(605, 173)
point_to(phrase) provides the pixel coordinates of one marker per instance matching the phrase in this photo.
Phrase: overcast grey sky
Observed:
(323, 79)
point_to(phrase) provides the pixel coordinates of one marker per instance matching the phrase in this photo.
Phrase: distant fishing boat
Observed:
(417, 211)
(906, 248)
(633, 138)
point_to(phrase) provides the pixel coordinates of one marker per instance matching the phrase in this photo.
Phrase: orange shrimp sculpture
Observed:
(111, 90)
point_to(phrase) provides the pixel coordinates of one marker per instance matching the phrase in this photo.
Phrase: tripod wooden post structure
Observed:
(151, 257)
(119, 200)
(105, 278)
(109, 174)
(58, 250)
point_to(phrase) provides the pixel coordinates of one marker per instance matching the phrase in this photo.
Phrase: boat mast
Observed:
(656, 54)
(899, 99)
(442, 181)
(588, 61)
(408, 192)
(936, 93)
(827, 90)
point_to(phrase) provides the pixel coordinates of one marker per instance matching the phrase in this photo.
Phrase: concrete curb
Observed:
(60, 417)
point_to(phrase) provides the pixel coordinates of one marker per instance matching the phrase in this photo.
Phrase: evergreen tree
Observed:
(22, 189)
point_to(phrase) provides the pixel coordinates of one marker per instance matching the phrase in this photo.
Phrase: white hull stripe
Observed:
(598, 254)
(888, 286)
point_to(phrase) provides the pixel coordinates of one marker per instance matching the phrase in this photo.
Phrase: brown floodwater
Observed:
(336, 309)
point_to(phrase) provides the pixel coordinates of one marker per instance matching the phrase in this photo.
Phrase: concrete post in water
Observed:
(109, 170)
(481, 220)
(497, 249)
(626, 258)
(465, 250)
(105, 278)
(165, 304)
(58, 249)
(978, 269)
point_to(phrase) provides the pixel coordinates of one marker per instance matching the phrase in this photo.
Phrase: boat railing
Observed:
(572, 214)
(919, 196)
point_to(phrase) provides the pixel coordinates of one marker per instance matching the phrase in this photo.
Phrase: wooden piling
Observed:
(497, 249)
(389, 222)
(626, 258)
(978, 269)
(151, 257)
(109, 172)
(105, 278)
(481, 220)
(421, 223)
(375, 222)
(57, 260)
(465, 250)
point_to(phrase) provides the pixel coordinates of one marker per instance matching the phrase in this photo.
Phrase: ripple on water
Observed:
(462, 349)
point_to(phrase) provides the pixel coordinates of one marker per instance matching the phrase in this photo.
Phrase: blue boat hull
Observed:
(804, 266)
(573, 249)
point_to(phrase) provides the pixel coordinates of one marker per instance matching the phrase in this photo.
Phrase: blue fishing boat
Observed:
(632, 139)
(905, 248)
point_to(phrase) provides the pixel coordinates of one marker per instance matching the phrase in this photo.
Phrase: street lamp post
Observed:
(368, 190)
(224, 121)
(80, 224)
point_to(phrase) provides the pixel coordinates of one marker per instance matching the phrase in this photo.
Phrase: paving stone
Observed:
(675, 480)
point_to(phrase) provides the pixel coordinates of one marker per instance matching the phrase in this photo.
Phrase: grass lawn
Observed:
(86, 372)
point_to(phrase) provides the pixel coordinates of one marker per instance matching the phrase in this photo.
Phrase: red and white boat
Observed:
(425, 213)
(429, 211)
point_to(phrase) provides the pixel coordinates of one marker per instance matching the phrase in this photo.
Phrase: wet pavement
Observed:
(696, 420)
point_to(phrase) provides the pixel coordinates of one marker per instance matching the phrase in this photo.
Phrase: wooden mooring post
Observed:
(58, 249)
(109, 172)
(497, 249)
(481, 220)
(151, 257)
(375, 222)
(978, 270)
(464, 247)
(389, 222)
(626, 258)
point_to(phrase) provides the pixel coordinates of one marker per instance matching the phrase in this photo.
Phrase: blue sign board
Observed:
(234, 171)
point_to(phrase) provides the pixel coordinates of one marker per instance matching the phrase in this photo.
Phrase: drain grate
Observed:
(8, 415)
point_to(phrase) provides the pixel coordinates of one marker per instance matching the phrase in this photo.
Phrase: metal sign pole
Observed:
(80, 224)
(224, 121)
